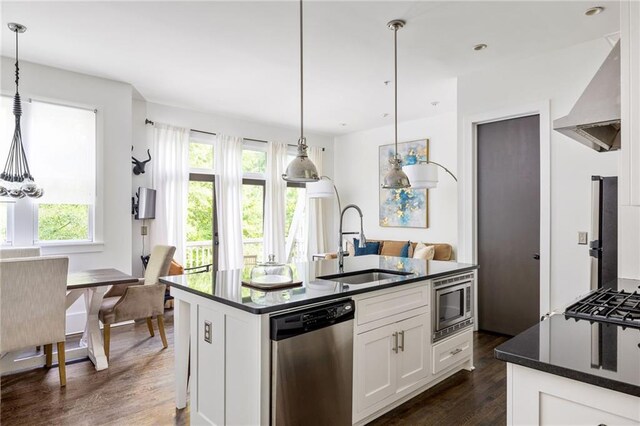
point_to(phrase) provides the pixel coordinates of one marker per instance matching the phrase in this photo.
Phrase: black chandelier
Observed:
(16, 180)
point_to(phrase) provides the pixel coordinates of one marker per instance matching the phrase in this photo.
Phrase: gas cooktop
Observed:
(608, 306)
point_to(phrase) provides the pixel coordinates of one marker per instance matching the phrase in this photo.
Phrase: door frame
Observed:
(468, 190)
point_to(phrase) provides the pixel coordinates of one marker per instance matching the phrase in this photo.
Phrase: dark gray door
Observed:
(509, 224)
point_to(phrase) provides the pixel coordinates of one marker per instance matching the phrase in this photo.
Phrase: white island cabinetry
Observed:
(228, 354)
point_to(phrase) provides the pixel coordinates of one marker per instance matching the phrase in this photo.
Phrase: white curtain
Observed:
(170, 179)
(274, 212)
(228, 171)
(316, 220)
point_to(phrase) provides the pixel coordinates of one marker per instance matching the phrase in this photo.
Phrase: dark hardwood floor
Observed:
(137, 389)
(466, 398)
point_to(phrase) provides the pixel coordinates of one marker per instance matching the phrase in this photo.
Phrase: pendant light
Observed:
(301, 168)
(16, 180)
(396, 178)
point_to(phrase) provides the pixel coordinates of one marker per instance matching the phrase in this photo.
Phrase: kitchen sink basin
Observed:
(364, 277)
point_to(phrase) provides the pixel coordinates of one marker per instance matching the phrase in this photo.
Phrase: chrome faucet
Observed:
(362, 241)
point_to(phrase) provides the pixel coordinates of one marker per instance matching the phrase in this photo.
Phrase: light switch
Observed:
(583, 238)
(207, 331)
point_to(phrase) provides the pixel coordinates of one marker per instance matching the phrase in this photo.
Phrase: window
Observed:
(60, 142)
(201, 221)
(253, 191)
(295, 212)
(201, 214)
(254, 161)
(200, 153)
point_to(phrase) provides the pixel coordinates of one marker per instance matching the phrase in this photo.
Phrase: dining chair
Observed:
(32, 306)
(18, 252)
(141, 300)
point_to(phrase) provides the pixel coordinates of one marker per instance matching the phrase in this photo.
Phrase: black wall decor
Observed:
(139, 165)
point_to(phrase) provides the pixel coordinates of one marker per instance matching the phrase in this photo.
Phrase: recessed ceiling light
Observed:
(594, 11)
(480, 46)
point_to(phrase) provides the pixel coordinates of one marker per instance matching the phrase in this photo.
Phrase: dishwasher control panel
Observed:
(293, 323)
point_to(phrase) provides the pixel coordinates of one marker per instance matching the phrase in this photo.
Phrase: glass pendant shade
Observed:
(422, 175)
(396, 178)
(320, 189)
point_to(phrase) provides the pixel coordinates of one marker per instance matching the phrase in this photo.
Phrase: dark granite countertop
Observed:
(604, 355)
(226, 286)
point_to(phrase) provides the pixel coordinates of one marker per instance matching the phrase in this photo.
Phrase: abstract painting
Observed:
(403, 208)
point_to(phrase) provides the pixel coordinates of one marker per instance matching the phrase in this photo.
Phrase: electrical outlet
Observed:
(207, 332)
(583, 238)
(144, 230)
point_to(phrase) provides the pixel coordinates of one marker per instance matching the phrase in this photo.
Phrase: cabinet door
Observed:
(413, 355)
(375, 366)
(208, 400)
(629, 160)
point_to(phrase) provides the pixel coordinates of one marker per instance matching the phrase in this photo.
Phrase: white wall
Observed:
(357, 178)
(559, 77)
(210, 123)
(113, 101)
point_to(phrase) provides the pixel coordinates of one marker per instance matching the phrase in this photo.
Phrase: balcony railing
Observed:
(201, 252)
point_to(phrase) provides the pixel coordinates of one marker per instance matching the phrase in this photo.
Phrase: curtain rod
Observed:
(147, 121)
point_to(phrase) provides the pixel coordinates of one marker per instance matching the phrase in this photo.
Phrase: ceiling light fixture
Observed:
(395, 177)
(301, 168)
(479, 47)
(594, 11)
(16, 180)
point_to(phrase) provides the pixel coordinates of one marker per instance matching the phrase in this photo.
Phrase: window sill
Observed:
(70, 247)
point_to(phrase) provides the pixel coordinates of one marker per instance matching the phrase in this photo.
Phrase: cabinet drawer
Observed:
(389, 304)
(449, 352)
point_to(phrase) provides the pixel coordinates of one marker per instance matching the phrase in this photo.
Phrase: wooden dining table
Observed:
(93, 284)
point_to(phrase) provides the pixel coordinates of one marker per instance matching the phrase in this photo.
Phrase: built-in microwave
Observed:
(453, 302)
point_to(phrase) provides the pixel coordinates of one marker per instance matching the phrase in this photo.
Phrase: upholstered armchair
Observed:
(141, 300)
(33, 306)
(17, 252)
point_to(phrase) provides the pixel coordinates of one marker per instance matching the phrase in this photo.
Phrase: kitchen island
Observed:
(574, 371)
(222, 329)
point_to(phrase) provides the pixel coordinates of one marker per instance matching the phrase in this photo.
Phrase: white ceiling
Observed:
(241, 58)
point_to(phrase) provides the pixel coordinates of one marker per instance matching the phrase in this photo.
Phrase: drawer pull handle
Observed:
(456, 352)
(395, 340)
(402, 341)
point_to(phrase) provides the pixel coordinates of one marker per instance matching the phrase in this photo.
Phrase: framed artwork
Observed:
(403, 208)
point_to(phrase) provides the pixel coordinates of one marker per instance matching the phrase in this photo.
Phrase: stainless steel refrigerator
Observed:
(603, 247)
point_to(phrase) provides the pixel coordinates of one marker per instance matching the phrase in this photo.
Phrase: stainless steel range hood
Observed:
(595, 119)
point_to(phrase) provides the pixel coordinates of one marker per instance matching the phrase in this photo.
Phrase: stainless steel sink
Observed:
(364, 277)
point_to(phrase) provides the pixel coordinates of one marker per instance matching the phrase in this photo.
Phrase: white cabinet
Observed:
(629, 167)
(389, 360)
(375, 373)
(413, 351)
(452, 350)
(535, 397)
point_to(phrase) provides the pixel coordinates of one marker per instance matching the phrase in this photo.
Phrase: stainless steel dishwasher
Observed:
(312, 365)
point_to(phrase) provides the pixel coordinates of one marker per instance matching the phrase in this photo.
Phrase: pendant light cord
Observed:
(17, 64)
(395, 84)
(301, 141)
